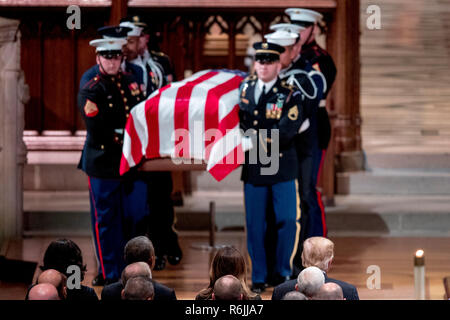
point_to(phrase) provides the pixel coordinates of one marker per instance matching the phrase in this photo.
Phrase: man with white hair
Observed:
(309, 281)
(317, 252)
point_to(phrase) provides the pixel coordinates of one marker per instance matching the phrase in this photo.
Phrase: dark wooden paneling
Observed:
(58, 84)
(53, 59)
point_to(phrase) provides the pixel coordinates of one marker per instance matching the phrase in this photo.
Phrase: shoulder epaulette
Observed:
(161, 54)
(91, 82)
(287, 86)
(251, 77)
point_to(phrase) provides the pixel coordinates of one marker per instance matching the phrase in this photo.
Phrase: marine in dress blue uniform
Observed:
(321, 61)
(127, 67)
(158, 72)
(118, 204)
(264, 106)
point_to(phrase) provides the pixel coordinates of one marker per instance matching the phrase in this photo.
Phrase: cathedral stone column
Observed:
(13, 94)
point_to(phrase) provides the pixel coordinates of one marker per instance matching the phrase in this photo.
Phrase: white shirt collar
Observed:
(138, 61)
(146, 55)
(268, 85)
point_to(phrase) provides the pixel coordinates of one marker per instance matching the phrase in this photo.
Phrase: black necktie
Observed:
(263, 93)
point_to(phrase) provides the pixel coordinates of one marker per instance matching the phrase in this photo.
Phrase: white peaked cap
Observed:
(300, 14)
(135, 30)
(289, 27)
(108, 44)
(282, 38)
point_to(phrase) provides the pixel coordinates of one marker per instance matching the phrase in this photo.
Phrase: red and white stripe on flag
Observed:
(196, 118)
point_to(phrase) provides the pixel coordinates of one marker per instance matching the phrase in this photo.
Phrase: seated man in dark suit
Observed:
(139, 249)
(318, 252)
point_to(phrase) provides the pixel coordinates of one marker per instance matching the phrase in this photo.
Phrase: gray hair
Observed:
(294, 295)
(138, 288)
(139, 249)
(310, 280)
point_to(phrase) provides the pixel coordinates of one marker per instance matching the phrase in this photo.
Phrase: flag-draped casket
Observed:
(194, 119)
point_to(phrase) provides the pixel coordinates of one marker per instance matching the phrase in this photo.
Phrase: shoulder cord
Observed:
(292, 80)
(156, 70)
(314, 72)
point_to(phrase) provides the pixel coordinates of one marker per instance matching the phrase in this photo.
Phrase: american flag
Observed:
(196, 118)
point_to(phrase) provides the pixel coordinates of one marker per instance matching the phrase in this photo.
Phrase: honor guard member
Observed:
(115, 32)
(311, 84)
(118, 204)
(268, 103)
(321, 61)
(159, 183)
(153, 73)
(157, 58)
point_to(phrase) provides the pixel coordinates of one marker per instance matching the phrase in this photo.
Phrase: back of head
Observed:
(137, 269)
(139, 249)
(55, 278)
(294, 295)
(61, 254)
(317, 252)
(310, 280)
(228, 288)
(43, 291)
(138, 288)
(329, 291)
(227, 261)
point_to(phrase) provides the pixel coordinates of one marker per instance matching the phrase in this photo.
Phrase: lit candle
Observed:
(419, 275)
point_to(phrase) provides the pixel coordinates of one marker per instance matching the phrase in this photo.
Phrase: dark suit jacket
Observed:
(112, 292)
(350, 292)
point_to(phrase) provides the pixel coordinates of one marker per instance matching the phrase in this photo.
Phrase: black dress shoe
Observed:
(98, 280)
(174, 260)
(175, 255)
(160, 263)
(258, 287)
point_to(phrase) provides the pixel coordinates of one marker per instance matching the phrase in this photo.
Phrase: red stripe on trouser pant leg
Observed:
(97, 234)
(319, 195)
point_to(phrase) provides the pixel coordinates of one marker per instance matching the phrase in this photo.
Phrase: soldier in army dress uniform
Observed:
(267, 103)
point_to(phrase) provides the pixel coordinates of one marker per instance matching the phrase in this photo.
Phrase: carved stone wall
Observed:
(13, 95)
